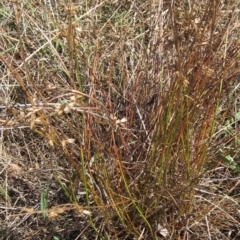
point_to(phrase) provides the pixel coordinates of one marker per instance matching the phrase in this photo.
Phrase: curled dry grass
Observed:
(123, 103)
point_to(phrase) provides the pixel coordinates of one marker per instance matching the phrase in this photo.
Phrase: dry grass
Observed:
(119, 120)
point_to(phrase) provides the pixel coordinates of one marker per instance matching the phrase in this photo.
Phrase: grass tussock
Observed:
(119, 119)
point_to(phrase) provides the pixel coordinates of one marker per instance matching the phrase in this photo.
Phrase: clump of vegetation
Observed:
(119, 119)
